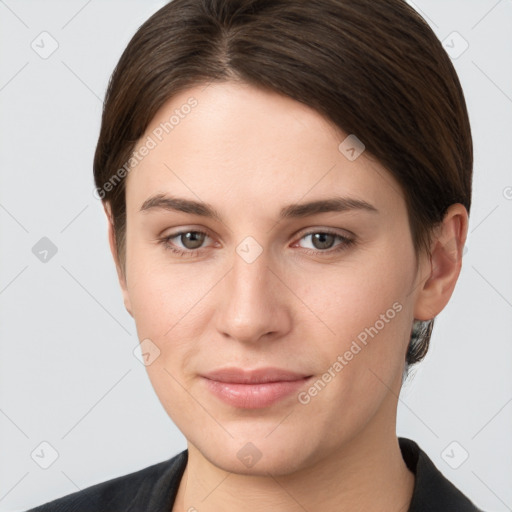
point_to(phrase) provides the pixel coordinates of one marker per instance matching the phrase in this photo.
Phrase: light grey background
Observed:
(68, 374)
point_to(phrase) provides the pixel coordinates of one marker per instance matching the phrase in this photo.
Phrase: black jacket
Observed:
(153, 489)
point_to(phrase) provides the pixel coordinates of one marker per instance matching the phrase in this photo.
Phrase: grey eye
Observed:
(192, 239)
(322, 240)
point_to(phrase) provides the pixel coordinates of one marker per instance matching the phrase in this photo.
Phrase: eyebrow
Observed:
(297, 210)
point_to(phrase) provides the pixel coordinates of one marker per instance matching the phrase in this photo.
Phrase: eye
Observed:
(191, 239)
(322, 241)
(191, 242)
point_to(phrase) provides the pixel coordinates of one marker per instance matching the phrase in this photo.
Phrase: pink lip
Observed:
(253, 389)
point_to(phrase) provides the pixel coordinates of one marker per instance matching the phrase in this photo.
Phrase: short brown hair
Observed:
(374, 68)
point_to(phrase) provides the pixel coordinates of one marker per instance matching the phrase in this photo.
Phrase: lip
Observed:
(256, 376)
(253, 389)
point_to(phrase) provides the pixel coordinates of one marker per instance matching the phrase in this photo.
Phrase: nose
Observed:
(253, 302)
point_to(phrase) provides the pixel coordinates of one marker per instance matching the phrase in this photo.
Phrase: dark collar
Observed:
(433, 492)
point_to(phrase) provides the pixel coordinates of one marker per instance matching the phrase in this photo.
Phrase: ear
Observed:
(112, 242)
(445, 263)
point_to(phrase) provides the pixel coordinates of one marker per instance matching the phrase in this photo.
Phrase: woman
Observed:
(287, 185)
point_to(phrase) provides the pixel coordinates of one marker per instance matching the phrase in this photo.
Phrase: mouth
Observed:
(253, 389)
(256, 376)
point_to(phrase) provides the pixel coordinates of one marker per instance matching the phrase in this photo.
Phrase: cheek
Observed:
(367, 310)
(363, 360)
(168, 311)
(162, 295)
(351, 298)
(172, 392)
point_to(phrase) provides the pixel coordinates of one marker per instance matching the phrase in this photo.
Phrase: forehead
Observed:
(254, 147)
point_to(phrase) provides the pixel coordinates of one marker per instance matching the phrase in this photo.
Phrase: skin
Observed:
(248, 153)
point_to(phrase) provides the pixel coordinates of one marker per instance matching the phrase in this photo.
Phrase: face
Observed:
(327, 293)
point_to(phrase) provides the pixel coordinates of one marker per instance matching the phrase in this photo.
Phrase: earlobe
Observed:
(440, 274)
(113, 250)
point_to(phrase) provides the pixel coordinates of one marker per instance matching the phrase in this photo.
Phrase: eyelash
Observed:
(346, 243)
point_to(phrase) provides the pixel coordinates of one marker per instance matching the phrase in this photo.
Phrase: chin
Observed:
(281, 455)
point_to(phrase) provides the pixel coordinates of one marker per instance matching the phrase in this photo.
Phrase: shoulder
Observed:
(432, 490)
(154, 486)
